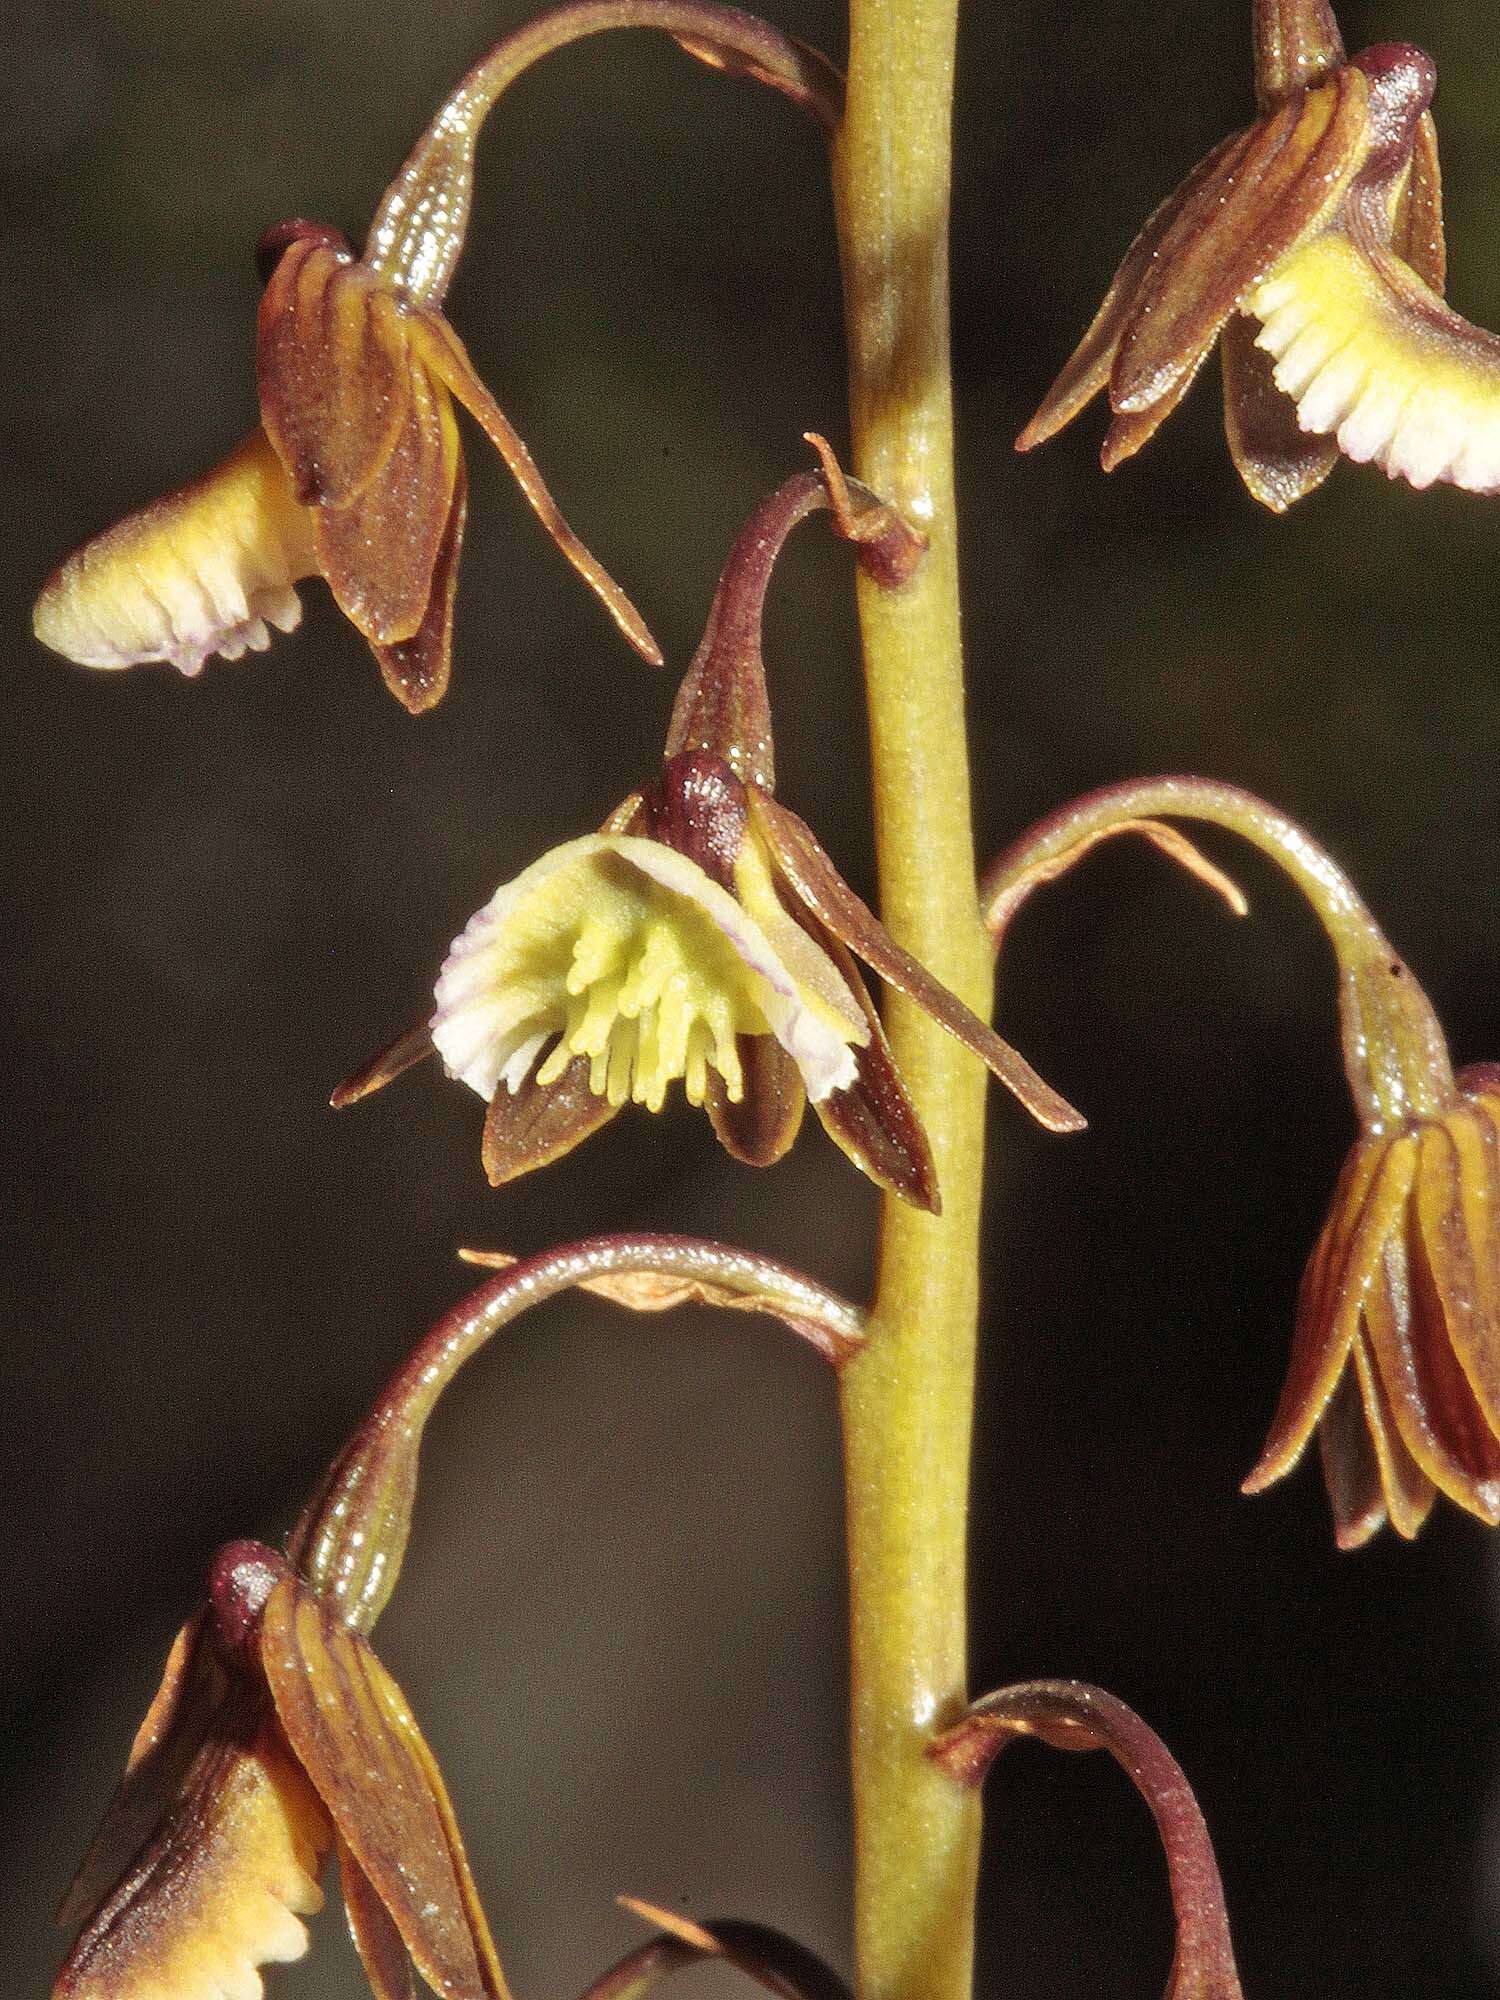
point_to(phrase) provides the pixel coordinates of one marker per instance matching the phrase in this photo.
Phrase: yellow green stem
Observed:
(907, 1399)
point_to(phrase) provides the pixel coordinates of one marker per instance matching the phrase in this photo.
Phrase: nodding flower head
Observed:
(1396, 1351)
(356, 473)
(1311, 248)
(703, 936)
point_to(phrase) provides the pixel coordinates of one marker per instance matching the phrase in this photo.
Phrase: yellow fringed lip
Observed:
(211, 568)
(626, 952)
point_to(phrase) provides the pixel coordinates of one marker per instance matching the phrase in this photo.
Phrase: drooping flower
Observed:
(703, 935)
(1396, 1351)
(1322, 226)
(277, 1734)
(356, 474)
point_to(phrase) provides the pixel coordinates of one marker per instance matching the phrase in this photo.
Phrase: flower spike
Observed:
(1322, 223)
(1070, 1715)
(277, 1734)
(357, 472)
(704, 934)
(1396, 1348)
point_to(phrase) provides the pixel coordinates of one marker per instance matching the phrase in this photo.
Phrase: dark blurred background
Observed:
(622, 1622)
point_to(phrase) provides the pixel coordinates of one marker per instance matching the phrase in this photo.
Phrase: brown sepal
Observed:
(817, 885)
(352, 1732)
(333, 370)
(540, 1122)
(874, 1122)
(1087, 370)
(1286, 178)
(380, 551)
(760, 1129)
(1418, 237)
(1279, 462)
(1070, 1715)
(416, 669)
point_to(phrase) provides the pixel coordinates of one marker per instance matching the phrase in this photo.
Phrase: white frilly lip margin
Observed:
(207, 569)
(488, 1030)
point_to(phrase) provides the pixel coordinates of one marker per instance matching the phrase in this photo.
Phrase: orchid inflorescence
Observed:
(702, 935)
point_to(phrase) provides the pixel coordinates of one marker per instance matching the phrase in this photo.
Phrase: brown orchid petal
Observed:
(449, 360)
(334, 372)
(1351, 1471)
(760, 1129)
(1456, 1242)
(774, 1961)
(629, 816)
(712, 1274)
(1072, 1716)
(874, 1122)
(1297, 45)
(1282, 187)
(817, 884)
(410, 1047)
(1088, 369)
(1428, 1393)
(376, 1939)
(351, 1729)
(379, 552)
(220, 1889)
(193, 1688)
(1279, 462)
(416, 669)
(1007, 887)
(538, 1123)
(1417, 237)
(1407, 1491)
(1367, 1209)
(1133, 428)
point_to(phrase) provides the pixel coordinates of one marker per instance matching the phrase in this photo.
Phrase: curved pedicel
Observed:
(769, 1957)
(418, 229)
(1073, 1716)
(1395, 1055)
(351, 1539)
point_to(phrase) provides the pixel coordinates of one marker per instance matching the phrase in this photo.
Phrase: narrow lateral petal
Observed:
(1087, 371)
(220, 1889)
(817, 884)
(1285, 183)
(539, 1123)
(447, 356)
(1417, 237)
(1297, 44)
(1279, 462)
(208, 569)
(353, 1732)
(1372, 356)
(1133, 428)
(1367, 1209)
(1351, 1471)
(379, 552)
(177, 1723)
(1428, 1394)
(1457, 1244)
(416, 669)
(381, 1952)
(409, 1048)
(333, 367)
(1407, 1491)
